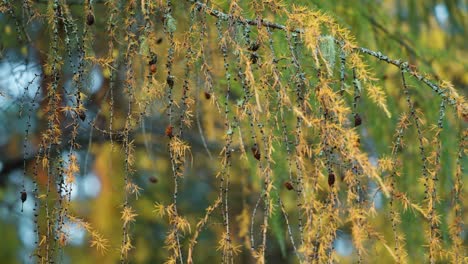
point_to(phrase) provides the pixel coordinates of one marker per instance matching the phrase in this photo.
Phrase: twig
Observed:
(377, 54)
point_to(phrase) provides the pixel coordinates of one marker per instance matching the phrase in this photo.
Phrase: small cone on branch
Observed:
(331, 179)
(288, 185)
(152, 62)
(82, 115)
(153, 179)
(357, 120)
(256, 152)
(169, 129)
(153, 68)
(90, 18)
(24, 196)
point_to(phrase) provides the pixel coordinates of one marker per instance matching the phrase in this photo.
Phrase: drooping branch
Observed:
(447, 95)
(252, 22)
(405, 66)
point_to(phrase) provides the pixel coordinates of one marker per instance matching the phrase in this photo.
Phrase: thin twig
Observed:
(377, 54)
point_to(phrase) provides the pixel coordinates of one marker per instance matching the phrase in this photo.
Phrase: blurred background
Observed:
(431, 35)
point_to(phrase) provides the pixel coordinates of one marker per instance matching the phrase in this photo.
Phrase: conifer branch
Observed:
(404, 65)
(252, 22)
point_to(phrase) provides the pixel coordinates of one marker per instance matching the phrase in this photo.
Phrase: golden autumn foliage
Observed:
(237, 132)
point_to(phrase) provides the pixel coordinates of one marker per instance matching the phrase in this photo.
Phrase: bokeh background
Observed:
(431, 35)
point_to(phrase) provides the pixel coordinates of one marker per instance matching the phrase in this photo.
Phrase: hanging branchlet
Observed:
(342, 69)
(72, 169)
(25, 140)
(429, 183)
(129, 187)
(357, 95)
(176, 146)
(299, 81)
(7, 7)
(186, 101)
(51, 138)
(113, 64)
(392, 165)
(456, 225)
(224, 175)
(267, 183)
